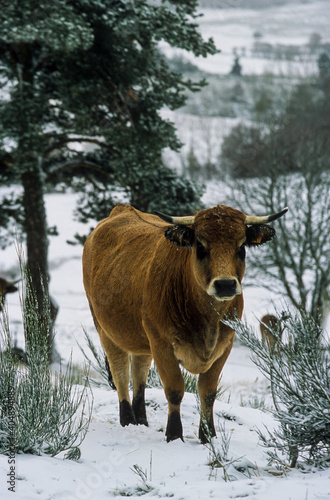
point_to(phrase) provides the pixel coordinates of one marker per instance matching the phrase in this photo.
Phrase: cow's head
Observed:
(217, 238)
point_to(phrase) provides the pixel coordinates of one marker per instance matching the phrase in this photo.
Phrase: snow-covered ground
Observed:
(109, 453)
(178, 469)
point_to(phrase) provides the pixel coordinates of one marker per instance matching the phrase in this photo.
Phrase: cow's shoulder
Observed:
(126, 214)
(121, 209)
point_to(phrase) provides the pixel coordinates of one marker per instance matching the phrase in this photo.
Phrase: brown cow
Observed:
(271, 332)
(6, 287)
(159, 290)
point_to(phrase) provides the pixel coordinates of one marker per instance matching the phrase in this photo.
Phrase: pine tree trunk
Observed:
(37, 245)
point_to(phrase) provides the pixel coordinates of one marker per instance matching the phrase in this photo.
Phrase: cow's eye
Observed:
(202, 251)
(241, 252)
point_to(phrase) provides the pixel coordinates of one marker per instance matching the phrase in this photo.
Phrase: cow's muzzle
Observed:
(224, 288)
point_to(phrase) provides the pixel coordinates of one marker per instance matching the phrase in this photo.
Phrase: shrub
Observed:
(243, 152)
(40, 411)
(299, 373)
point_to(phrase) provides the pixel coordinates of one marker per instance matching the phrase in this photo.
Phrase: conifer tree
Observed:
(78, 73)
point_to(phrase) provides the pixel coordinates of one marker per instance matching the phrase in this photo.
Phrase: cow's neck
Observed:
(194, 308)
(189, 308)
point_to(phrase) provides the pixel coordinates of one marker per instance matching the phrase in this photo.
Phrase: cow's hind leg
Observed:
(140, 365)
(119, 367)
(207, 388)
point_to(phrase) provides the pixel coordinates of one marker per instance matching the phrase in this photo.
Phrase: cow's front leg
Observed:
(207, 389)
(170, 374)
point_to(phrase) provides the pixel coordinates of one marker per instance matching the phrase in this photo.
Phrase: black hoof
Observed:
(206, 432)
(143, 421)
(174, 427)
(139, 407)
(126, 414)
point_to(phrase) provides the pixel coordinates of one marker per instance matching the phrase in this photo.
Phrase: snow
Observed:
(178, 469)
(233, 29)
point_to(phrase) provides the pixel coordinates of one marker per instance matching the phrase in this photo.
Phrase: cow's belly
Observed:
(124, 331)
(196, 362)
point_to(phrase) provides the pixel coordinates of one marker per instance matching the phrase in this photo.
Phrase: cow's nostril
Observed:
(225, 287)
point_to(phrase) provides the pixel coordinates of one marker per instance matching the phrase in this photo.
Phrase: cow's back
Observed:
(116, 259)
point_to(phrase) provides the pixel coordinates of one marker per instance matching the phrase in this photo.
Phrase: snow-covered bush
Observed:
(299, 375)
(40, 411)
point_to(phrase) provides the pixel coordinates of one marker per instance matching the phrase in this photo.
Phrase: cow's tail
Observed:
(110, 378)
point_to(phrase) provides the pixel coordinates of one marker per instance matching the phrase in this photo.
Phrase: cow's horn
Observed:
(255, 219)
(184, 221)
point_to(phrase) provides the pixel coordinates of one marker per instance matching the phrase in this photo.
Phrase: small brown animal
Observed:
(6, 287)
(158, 288)
(271, 331)
(9, 287)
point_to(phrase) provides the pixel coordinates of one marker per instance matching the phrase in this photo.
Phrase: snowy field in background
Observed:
(233, 28)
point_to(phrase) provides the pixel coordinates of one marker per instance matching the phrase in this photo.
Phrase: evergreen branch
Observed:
(78, 164)
(66, 141)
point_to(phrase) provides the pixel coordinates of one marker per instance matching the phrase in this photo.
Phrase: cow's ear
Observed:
(259, 234)
(181, 236)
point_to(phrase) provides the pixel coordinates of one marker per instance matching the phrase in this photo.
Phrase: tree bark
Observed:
(37, 247)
